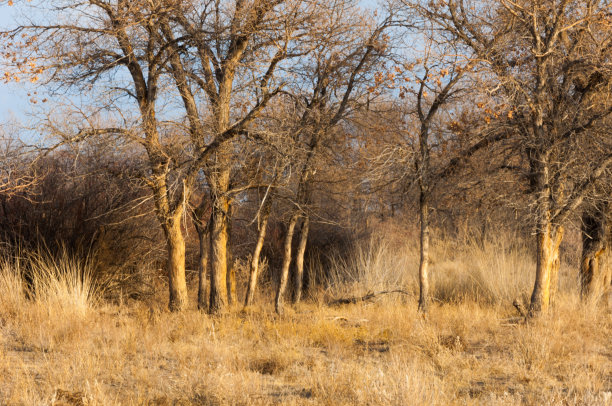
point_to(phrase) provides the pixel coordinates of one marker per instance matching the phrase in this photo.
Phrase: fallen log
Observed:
(366, 297)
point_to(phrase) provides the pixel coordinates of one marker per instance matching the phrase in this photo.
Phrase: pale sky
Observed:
(13, 97)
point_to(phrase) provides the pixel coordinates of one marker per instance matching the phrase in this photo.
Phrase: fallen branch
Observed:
(366, 297)
(346, 319)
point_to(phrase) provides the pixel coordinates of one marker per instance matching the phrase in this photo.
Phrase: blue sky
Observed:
(14, 99)
(13, 96)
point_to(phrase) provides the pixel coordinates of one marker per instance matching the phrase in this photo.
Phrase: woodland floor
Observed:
(376, 353)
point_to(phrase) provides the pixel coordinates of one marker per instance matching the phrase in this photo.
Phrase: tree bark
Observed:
(231, 271)
(218, 255)
(176, 266)
(284, 276)
(201, 222)
(548, 234)
(424, 260)
(594, 273)
(203, 262)
(547, 267)
(298, 276)
(254, 266)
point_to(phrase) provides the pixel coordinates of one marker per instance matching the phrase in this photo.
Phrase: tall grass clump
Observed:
(492, 271)
(375, 265)
(12, 294)
(496, 270)
(63, 282)
(59, 283)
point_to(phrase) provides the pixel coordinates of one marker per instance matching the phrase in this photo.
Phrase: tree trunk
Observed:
(254, 267)
(548, 234)
(554, 271)
(176, 266)
(203, 262)
(218, 256)
(547, 268)
(424, 260)
(298, 276)
(594, 272)
(201, 221)
(231, 271)
(284, 276)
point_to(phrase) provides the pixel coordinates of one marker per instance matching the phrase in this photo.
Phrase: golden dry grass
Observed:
(379, 353)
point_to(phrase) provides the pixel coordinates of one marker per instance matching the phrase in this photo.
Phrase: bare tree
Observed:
(229, 53)
(116, 49)
(266, 179)
(549, 61)
(333, 85)
(440, 79)
(206, 54)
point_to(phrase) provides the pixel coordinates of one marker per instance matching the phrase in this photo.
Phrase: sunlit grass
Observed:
(468, 350)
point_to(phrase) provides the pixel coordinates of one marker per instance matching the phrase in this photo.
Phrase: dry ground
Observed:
(63, 351)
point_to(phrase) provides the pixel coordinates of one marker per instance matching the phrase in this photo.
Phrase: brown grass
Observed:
(377, 353)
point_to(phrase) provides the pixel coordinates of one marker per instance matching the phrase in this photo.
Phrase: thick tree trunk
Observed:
(424, 260)
(218, 256)
(254, 267)
(298, 276)
(284, 276)
(176, 266)
(548, 234)
(594, 272)
(547, 268)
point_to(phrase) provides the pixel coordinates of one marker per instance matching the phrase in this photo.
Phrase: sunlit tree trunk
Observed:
(218, 254)
(424, 254)
(298, 276)
(548, 234)
(254, 266)
(547, 268)
(170, 215)
(176, 265)
(284, 276)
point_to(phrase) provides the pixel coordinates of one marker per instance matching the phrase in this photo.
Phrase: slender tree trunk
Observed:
(593, 267)
(176, 266)
(231, 271)
(424, 260)
(218, 255)
(254, 267)
(201, 222)
(298, 276)
(547, 267)
(554, 271)
(284, 276)
(203, 262)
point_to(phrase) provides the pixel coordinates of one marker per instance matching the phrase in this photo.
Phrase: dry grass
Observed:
(376, 353)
